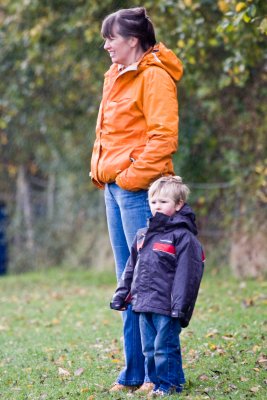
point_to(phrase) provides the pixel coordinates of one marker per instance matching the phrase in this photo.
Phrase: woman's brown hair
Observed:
(131, 22)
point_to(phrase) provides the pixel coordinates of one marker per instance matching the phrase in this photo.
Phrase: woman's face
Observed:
(120, 49)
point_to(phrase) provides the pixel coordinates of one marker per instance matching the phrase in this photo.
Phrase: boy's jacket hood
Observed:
(184, 218)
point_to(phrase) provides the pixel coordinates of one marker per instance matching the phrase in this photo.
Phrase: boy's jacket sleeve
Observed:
(187, 279)
(121, 296)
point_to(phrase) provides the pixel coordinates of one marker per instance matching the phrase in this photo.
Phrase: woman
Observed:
(136, 135)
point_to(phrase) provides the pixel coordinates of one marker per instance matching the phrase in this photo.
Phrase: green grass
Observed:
(59, 340)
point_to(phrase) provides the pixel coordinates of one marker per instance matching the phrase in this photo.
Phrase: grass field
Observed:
(59, 340)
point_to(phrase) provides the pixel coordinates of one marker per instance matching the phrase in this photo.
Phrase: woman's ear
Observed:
(133, 41)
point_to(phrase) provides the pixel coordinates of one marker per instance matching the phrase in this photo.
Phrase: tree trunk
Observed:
(248, 256)
(23, 206)
(51, 196)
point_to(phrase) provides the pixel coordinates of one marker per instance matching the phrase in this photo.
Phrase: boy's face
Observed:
(164, 205)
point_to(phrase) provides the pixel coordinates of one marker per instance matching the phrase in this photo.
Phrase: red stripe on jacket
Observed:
(167, 248)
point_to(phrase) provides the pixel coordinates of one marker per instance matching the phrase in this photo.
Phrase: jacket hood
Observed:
(164, 58)
(184, 218)
(159, 56)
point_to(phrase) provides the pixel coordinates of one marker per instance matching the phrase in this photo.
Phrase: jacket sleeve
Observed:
(96, 153)
(160, 108)
(187, 279)
(121, 297)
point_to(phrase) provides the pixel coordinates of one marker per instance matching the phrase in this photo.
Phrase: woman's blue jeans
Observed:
(161, 347)
(126, 213)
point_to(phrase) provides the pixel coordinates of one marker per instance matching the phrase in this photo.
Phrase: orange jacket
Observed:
(137, 125)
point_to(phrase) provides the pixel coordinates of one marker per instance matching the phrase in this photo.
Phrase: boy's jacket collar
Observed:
(184, 217)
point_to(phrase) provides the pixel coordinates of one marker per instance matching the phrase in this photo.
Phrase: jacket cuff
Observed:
(98, 184)
(117, 305)
(177, 314)
(121, 182)
(129, 184)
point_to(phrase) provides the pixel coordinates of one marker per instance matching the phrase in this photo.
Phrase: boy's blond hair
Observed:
(171, 187)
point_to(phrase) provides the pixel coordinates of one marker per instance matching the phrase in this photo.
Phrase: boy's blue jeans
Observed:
(161, 347)
(126, 213)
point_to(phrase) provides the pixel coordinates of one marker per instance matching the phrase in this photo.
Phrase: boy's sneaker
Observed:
(157, 393)
(162, 393)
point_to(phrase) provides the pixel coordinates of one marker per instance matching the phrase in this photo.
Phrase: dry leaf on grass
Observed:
(255, 389)
(212, 333)
(203, 377)
(79, 372)
(262, 359)
(63, 372)
(85, 390)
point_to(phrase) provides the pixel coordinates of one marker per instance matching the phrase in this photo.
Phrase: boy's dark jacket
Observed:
(165, 268)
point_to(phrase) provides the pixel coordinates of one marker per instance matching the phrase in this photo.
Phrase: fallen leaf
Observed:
(221, 352)
(262, 359)
(55, 321)
(48, 349)
(63, 372)
(243, 379)
(212, 333)
(28, 370)
(212, 347)
(56, 296)
(79, 372)
(228, 337)
(254, 389)
(60, 360)
(203, 377)
(256, 348)
(3, 328)
(248, 303)
(52, 323)
(85, 390)
(232, 386)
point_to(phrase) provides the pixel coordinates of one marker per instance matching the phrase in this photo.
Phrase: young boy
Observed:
(161, 280)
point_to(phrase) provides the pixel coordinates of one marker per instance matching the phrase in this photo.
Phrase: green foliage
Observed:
(52, 66)
(51, 72)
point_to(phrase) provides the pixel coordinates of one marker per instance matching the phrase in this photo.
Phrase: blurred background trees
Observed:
(51, 72)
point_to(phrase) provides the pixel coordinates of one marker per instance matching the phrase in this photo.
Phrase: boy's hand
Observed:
(114, 305)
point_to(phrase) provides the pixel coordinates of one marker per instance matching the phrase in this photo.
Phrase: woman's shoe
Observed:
(117, 387)
(145, 388)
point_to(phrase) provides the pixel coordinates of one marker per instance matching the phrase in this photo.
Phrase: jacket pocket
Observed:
(117, 115)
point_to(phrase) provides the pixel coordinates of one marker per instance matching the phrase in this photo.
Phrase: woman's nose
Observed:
(107, 44)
